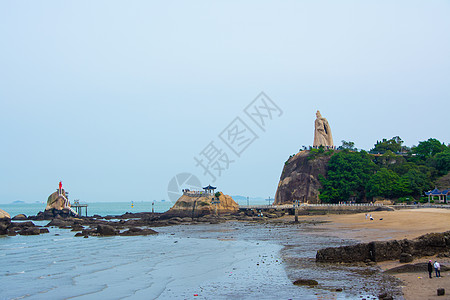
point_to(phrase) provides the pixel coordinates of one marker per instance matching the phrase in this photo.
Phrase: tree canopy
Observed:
(361, 176)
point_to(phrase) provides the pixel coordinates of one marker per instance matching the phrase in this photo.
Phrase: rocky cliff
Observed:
(201, 205)
(300, 178)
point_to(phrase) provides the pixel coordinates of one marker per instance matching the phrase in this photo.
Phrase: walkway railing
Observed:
(287, 206)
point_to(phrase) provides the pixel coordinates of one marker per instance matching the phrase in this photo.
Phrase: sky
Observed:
(117, 98)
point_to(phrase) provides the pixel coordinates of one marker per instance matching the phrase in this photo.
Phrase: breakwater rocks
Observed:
(405, 250)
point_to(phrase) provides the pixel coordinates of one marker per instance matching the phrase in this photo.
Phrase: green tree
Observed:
(394, 145)
(417, 181)
(347, 145)
(348, 173)
(383, 183)
(441, 162)
(389, 159)
(429, 148)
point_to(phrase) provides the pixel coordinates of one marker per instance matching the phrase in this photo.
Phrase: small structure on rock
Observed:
(199, 203)
(59, 204)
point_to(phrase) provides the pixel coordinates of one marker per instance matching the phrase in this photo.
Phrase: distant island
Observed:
(18, 202)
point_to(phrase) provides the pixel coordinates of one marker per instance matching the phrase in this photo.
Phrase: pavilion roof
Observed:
(437, 192)
(209, 187)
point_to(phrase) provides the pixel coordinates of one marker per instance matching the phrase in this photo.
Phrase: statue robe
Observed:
(322, 133)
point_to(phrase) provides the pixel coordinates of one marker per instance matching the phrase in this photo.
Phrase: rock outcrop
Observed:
(300, 178)
(55, 201)
(197, 206)
(5, 222)
(426, 245)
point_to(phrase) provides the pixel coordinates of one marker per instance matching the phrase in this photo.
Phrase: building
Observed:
(442, 196)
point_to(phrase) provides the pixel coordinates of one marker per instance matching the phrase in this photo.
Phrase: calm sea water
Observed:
(99, 208)
(234, 260)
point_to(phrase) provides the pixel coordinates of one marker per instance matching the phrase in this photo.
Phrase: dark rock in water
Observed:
(22, 224)
(4, 224)
(20, 217)
(309, 282)
(338, 290)
(105, 230)
(385, 296)
(137, 231)
(406, 258)
(53, 213)
(441, 292)
(43, 230)
(11, 232)
(77, 228)
(30, 231)
(58, 222)
(426, 245)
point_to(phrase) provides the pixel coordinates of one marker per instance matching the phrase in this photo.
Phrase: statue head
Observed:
(318, 115)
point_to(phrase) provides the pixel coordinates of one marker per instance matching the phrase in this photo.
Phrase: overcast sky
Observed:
(115, 98)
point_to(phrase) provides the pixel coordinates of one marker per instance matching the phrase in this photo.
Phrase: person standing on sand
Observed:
(430, 268)
(437, 268)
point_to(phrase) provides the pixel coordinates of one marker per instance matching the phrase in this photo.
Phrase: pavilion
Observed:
(442, 195)
(210, 189)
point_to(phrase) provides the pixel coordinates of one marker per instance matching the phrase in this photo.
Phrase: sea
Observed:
(233, 260)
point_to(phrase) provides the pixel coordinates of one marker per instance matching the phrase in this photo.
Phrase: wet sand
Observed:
(399, 224)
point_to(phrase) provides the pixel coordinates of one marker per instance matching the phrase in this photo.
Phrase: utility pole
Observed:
(296, 210)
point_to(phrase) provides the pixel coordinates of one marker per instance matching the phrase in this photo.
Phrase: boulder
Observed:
(22, 224)
(196, 205)
(30, 231)
(105, 230)
(308, 282)
(5, 222)
(441, 292)
(4, 214)
(55, 201)
(20, 217)
(138, 231)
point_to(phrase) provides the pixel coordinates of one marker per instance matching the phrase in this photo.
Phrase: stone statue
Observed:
(322, 132)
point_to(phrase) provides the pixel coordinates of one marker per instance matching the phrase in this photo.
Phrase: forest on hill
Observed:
(390, 170)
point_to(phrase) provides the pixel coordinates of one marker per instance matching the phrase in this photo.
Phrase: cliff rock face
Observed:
(199, 206)
(300, 179)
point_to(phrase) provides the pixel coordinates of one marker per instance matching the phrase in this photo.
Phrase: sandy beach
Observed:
(399, 224)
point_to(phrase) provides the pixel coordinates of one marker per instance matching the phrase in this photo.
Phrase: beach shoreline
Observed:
(389, 225)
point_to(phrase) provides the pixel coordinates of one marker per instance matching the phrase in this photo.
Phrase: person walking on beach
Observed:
(430, 268)
(437, 268)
